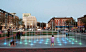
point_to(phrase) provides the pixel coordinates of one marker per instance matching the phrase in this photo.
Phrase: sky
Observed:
(44, 10)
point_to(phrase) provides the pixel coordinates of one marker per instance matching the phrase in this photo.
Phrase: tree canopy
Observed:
(70, 22)
(17, 22)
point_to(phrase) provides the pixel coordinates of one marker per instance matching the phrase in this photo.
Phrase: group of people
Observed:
(82, 30)
(13, 44)
(18, 34)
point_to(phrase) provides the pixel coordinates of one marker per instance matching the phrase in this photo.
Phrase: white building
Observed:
(29, 21)
(46, 25)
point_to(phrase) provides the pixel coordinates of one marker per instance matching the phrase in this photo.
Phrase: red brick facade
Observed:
(58, 21)
(6, 17)
(80, 23)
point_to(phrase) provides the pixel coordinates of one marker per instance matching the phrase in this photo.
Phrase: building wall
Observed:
(80, 23)
(7, 18)
(29, 20)
(58, 22)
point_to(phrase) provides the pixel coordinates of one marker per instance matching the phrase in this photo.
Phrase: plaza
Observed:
(45, 42)
(42, 26)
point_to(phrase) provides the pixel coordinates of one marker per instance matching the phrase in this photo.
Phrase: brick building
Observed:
(58, 22)
(80, 23)
(5, 19)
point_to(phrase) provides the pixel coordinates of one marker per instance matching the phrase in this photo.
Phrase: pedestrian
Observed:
(8, 32)
(18, 34)
(0, 33)
(66, 34)
(52, 40)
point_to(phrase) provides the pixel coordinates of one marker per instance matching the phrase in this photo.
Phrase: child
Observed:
(12, 43)
(52, 40)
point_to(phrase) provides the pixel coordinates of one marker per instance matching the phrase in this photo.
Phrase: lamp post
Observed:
(26, 32)
(52, 27)
(6, 20)
(26, 24)
(15, 22)
(31, 25)
(5, 27)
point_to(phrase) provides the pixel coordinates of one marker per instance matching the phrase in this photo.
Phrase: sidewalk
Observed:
(1, 38)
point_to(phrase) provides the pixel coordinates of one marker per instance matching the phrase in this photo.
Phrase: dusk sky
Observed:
(44, 10)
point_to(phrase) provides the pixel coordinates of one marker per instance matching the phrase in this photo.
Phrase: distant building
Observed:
(29, 21)
(57, 22)
(80, 23)
(6, 19)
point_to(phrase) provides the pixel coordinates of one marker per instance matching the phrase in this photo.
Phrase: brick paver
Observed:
(45, 50)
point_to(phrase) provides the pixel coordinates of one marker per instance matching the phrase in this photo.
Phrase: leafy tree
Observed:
(17, 22)
(70, 22)
(2, 20)
(42, 24)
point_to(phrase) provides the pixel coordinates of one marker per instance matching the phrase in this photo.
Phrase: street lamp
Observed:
(26, 24)
(15, 20)
(11, 25)
(31, 23)
(6, 19)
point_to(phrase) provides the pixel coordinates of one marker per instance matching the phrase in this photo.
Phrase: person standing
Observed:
(52, 40)
(8, 32)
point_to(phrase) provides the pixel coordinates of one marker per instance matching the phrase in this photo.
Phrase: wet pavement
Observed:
(60, 42)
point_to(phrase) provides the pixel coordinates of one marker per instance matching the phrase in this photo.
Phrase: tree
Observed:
(2, 20)
(17, 22)
(42, 24)
(70, 22)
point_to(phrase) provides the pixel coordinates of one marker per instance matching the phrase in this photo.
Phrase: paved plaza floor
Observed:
(60, 42)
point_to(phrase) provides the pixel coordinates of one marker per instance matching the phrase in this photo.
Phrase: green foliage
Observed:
(17, 22)
(70, 22)
(42, 24)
